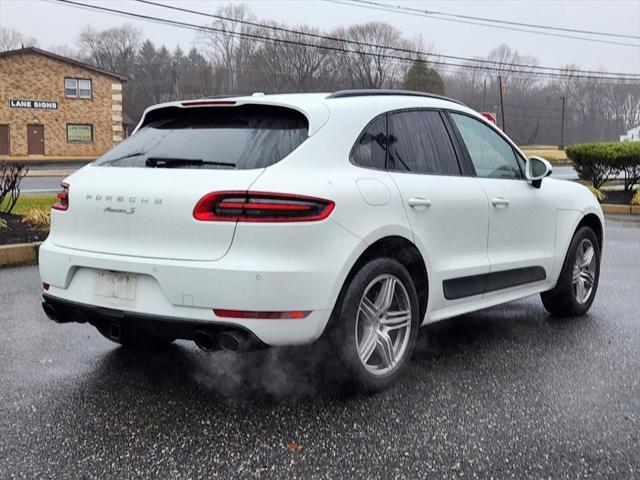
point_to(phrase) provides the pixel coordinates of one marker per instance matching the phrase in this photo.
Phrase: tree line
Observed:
(231, 60)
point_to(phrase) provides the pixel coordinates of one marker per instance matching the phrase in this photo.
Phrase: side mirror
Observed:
(536, 169)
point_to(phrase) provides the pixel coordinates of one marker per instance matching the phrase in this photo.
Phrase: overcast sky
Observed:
(55, 24)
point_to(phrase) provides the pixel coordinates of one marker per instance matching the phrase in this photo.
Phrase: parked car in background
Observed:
(279, 219)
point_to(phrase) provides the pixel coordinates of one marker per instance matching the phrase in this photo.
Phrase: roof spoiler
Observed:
(381, 92)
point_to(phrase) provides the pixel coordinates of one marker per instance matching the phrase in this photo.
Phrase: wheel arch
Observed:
(407, 254)
(592, 221)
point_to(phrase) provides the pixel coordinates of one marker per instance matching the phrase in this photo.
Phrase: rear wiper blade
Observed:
(123, 157)
(169, 162)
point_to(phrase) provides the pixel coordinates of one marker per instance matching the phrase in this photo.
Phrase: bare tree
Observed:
(11, 39)
(113, 49)
(370, 66)
(288, 63)
(197, 80)
(467, 84)
(11, 174)
(66, 51)
(227, 46)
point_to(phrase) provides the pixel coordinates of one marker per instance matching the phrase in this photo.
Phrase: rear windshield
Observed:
(243, 137)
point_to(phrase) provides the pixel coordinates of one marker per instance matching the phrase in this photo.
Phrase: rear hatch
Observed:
(138, 199)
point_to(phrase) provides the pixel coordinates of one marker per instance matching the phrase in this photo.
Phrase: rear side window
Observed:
(419, 143)
(370, 150)
(243, 137)
(492, 156)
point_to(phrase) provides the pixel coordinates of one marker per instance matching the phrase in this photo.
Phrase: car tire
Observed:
(393, 325)
(578, 281)
(132, 337)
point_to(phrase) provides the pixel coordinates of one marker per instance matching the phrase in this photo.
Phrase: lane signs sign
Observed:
(40, 104)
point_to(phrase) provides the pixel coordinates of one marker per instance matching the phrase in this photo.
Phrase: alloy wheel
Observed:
(383, 324)
(584, 271)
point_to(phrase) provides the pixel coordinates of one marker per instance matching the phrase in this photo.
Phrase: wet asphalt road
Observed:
(505, 393)
(31, 185)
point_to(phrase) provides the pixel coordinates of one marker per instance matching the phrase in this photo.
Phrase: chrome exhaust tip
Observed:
(234, 341)
(204, 341)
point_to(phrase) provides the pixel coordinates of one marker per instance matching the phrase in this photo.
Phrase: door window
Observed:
(419, 143)
(491, 155)
(370, 151)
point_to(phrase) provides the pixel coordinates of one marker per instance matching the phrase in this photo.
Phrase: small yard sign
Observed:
(79, 133)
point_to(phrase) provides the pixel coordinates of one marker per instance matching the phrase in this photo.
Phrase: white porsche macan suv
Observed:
(356, 216)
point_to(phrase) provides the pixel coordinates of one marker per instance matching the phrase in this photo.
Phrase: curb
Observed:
(620, 209)
(19, 254)
(49, 173)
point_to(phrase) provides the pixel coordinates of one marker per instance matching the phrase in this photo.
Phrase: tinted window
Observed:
(241, 137)
(491, 155)
(371, 148)
(419, 142)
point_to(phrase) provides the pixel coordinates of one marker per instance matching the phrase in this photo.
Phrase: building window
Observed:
(77, 88)
(70, 87)
(84, 88)
(79, 132)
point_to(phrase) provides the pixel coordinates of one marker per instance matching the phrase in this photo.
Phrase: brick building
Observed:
(52, 106)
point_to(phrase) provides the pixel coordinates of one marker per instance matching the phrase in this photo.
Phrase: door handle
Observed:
(419, 203)
(500, 202)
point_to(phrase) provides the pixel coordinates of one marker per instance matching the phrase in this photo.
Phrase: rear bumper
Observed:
(153, 313)
(257, 274)
(63, 311)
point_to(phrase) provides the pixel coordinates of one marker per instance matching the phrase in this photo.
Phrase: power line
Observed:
(263, 38)
(416, 12)
(384, 47)
(493, 20)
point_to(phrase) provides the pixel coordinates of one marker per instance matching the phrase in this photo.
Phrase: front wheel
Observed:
(376, 324)
(576, 288)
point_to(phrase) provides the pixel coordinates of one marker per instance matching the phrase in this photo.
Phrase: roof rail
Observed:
(376, 92)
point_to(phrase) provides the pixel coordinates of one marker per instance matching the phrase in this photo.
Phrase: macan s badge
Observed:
(129, 211)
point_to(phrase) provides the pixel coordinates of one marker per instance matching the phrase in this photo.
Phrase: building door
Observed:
(4, 140)
(35, 139)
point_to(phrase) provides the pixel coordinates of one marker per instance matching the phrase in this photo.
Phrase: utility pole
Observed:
(504, 126)
(562, 125)
(484, 92)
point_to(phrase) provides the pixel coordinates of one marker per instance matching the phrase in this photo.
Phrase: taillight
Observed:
(261, 207)
(261, 315)
(63, 198)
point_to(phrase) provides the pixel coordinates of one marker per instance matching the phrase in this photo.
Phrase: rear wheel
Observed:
(376, 324)
(131, 337)
(576, 288)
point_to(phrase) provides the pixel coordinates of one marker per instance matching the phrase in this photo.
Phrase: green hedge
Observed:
(596, 162)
